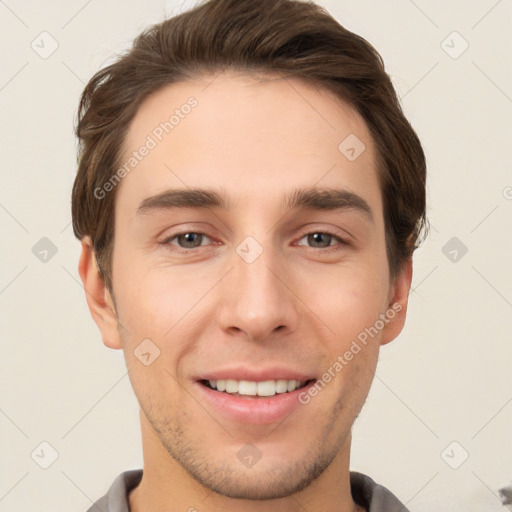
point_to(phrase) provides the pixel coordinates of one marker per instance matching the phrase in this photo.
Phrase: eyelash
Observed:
(340, 246)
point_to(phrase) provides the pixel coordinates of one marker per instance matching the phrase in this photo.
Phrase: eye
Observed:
(321, 239)
(316, 240)
(189, 240)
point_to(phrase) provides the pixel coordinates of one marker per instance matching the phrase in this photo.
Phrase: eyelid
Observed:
(167, 239)
(182, 229)
(342, 241)
(328, 231)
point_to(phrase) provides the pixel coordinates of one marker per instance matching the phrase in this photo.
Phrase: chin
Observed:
(259, 484)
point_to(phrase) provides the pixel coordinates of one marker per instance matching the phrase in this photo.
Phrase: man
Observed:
(249, 197)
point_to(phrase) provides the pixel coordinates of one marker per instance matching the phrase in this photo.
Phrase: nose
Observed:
(257, 298)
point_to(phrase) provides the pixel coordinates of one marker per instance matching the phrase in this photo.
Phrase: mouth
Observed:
(255, 402)
(255, 389)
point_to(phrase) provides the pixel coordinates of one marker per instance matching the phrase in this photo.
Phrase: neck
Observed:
(167, 487)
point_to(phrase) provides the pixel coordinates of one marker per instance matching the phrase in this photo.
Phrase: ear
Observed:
(98, 297)
(398, 300)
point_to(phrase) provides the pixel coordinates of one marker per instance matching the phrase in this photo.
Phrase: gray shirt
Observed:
(366, 493)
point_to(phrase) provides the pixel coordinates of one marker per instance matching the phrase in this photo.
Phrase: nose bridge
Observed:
(254, 299)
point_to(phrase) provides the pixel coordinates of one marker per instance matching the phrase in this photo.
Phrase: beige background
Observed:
(446, 378)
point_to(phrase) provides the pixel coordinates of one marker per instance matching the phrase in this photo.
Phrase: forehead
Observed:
(253, 136)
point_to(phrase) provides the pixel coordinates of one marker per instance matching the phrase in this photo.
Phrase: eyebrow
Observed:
(185, 198)
(327, 199)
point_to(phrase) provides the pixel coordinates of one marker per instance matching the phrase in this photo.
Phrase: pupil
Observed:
(188, 239)
(317, 238)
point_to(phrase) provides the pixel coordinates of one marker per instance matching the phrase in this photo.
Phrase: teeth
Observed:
(246, 387)
(252, 388)
(267, 388)
(231, 386)
(282, 386)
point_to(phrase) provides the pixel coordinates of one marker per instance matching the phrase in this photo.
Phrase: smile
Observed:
(253, 402)
(253, 388)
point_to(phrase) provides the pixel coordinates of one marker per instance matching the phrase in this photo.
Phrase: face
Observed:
(266, 281)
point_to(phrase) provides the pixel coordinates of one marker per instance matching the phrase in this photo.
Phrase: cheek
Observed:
(164, 305)
(155, 310)
(347, 299)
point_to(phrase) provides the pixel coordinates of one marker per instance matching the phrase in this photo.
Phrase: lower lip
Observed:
(257, 410)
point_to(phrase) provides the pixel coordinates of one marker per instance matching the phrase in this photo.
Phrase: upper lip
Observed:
(256, 374)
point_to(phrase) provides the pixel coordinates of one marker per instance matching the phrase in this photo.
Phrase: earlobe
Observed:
(98, 296)
(398, 301)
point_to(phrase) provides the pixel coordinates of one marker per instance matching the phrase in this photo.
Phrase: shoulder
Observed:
(372, 496)
(116, 499)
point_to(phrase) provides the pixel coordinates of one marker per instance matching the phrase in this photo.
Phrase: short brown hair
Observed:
(290, 38)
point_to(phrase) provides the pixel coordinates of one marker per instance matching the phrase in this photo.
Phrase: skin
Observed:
(300, 303)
